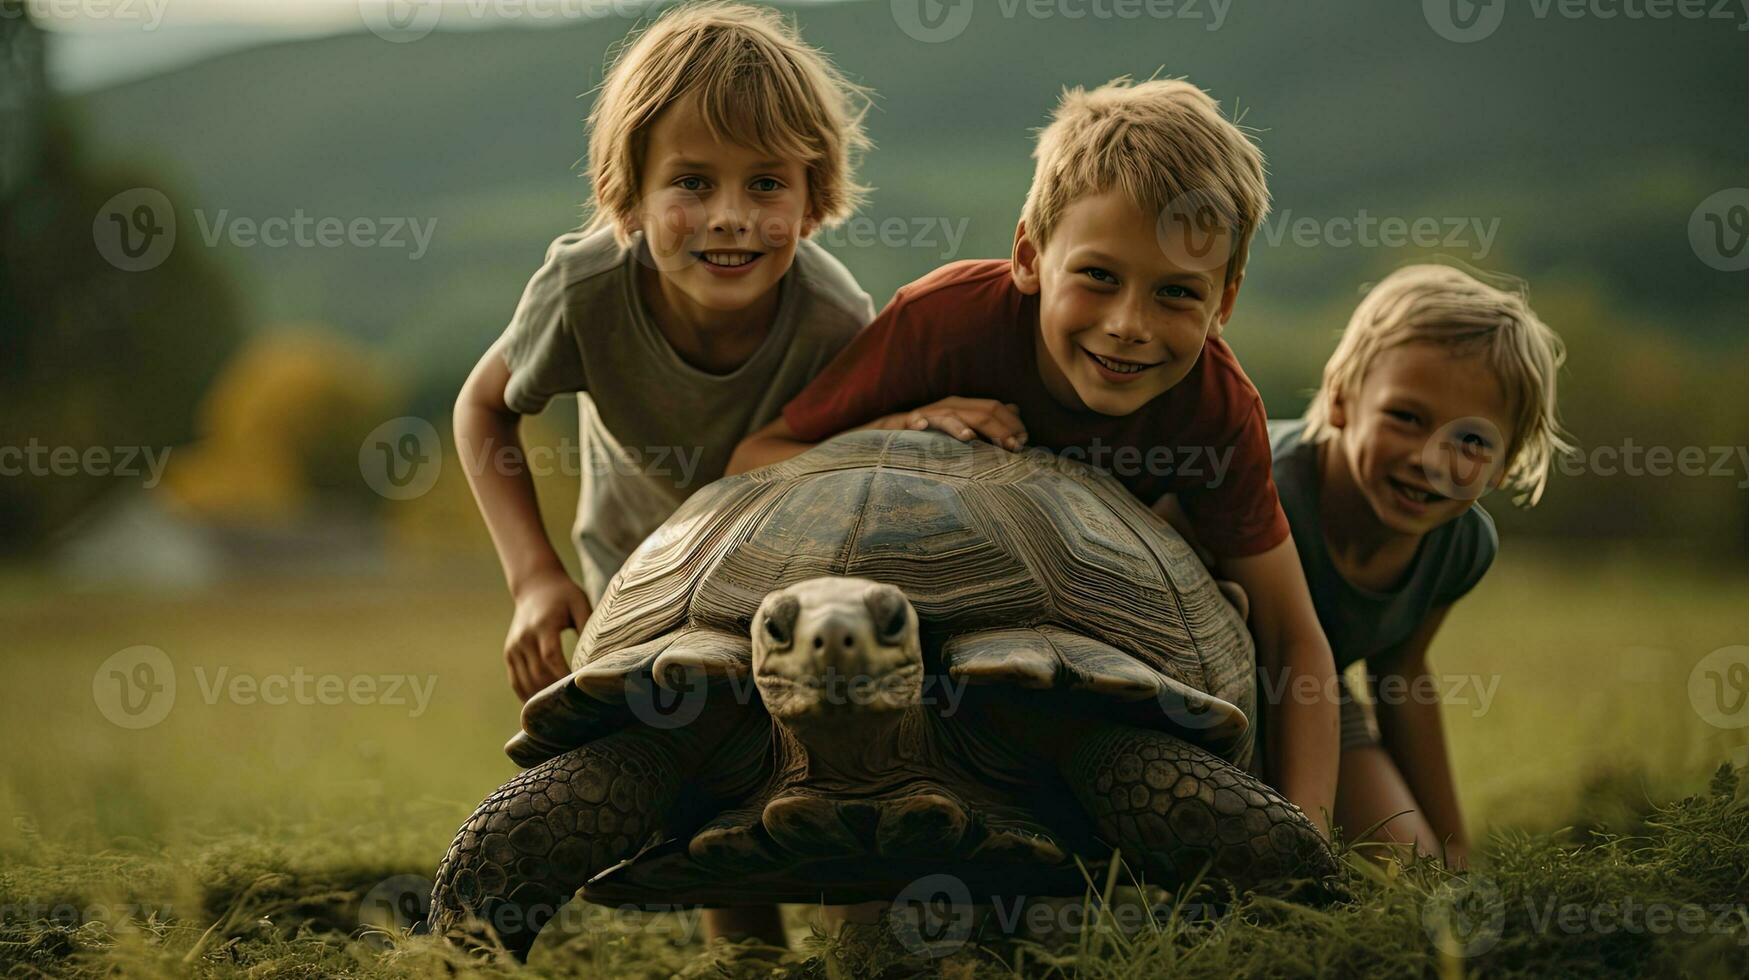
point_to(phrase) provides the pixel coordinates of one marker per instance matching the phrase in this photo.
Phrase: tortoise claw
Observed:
(733, 843)
(1016, 840)
(921, 826)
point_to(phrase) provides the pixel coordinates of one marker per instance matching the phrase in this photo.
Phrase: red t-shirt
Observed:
(966, 330)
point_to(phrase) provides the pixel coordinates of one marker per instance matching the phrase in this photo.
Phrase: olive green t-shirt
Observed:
(1361, 623)
(652, 429)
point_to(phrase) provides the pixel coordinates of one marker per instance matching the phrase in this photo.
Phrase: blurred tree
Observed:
(281, 428)
(90, 355)
(23, 94)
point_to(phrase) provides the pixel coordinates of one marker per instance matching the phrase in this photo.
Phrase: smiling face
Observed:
(721, 220)
(1124, 308)
(1425, 434)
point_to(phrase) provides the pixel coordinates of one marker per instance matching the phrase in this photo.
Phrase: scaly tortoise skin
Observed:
(892, 656)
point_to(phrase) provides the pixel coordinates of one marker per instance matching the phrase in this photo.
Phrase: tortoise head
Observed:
(829, 646)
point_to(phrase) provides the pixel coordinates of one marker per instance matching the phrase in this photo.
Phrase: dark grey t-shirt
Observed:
(1361, 623)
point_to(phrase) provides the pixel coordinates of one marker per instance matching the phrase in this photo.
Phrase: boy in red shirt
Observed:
(1093, 340)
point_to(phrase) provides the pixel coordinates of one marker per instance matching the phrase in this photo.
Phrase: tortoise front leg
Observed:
(531, 845)
(1174, 809)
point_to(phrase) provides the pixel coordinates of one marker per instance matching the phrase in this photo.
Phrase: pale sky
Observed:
(94, 43)
(83, 15)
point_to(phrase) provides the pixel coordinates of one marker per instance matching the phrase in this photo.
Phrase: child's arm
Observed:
(547, 601)
(1303, 718)
(1414, 736)
(962, 418)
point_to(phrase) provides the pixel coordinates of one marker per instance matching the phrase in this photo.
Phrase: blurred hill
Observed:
(1590, 141)
(1571, 152)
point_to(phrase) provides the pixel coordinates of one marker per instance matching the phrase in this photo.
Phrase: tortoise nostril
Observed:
(818, 643)
(848, 643)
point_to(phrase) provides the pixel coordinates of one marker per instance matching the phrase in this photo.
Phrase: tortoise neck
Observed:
(855, 751)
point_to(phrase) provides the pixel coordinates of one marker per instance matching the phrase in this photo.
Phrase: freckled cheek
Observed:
(775, 230)
(1060, 342)
(672, 223)
(1070, 316)
(1182, 336)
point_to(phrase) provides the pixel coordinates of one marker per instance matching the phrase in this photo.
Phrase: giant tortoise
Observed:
(893, 655)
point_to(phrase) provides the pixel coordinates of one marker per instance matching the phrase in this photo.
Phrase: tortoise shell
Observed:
(1024, 568)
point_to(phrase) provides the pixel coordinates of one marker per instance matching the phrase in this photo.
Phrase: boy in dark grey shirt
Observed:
(1442, 388)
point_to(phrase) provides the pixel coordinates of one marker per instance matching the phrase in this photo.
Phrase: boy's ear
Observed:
(629, 224)
(1229, 297)
(1338, 410)
(1024, 263)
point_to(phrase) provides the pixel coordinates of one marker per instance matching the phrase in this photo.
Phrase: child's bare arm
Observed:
(962, 418)
(547, 601)
(774, 443)
(1296, 660)
(1413, 733)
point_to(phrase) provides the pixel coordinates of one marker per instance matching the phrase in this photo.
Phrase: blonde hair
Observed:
(1163, 143)
(1452, 307)
(758, 84)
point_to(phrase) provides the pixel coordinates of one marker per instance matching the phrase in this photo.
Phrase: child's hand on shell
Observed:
(965, 419)
(534, 650)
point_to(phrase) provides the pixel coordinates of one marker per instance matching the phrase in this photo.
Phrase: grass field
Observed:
(241, 837)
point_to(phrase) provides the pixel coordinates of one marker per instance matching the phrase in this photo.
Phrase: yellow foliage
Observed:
(282, 422)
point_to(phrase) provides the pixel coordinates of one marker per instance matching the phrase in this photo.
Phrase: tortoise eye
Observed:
(780, 619)
(886, 607)
(775, 632)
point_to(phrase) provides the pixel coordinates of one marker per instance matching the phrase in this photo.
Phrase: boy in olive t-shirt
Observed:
(652, 427)
(684, 317)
